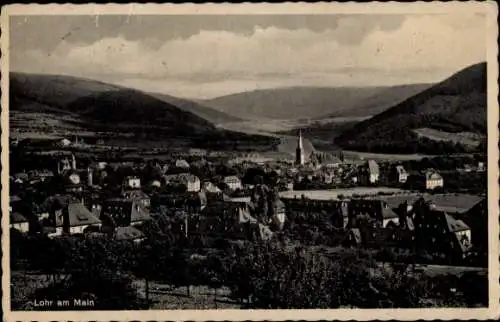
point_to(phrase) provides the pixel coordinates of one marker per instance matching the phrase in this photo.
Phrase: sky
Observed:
(205, 56)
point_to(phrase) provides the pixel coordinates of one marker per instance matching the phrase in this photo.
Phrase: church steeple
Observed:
(299, 153)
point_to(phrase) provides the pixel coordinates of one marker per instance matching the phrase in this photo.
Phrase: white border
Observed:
(490, 9)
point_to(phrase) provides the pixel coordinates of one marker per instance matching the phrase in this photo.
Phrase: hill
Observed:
(60, 106)
(55, 92)
(311, 102)
(456, 105)
(205, 112)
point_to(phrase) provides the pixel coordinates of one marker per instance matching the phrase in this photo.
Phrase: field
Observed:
(334, 193)
(355, 155)
(465, 138)
(168, 297)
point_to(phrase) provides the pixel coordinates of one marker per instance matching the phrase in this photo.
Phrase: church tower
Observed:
(299, 152)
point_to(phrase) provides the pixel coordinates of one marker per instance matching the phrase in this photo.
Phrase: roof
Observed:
(210, 187)
(373, 166)
(128, 206)
(356, 233)
(128, 233)
(79, 215)
(232, 179)
(387, 212)
(455, 225)
(181, 178)
(181, 164)
(135, 194)
(16, 218)
(14, 198)
(400, 169)
(431, 174)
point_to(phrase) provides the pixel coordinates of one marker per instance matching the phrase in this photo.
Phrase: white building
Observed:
(433, 179)
(190, 181)
(132, 182)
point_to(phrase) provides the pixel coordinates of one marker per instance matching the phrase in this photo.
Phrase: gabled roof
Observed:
(181, 177)
(14, 198)
(373, 166)
(135, 194)
(17, 218)
(356, 234)
(78, 214)
(128, 233)
(455, 225)
(431, 174)
(387, 212)
(400, 169)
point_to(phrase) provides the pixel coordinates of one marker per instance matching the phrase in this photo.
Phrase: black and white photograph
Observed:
(311, 158)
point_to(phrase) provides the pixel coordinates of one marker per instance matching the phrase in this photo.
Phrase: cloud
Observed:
(215, 62)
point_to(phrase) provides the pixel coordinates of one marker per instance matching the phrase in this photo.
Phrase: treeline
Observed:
(405, 142)
(259, 275)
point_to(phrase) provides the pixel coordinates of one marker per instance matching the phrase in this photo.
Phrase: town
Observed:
(198, 206)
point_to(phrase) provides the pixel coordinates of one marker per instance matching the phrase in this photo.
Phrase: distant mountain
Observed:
(312, 102)
(131, 108)
(198, 109)
(98, 103)
(456, 105)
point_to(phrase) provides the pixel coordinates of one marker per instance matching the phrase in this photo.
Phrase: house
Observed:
(371, 212)
(233, 182)
(63, 143)
(373, 171)
(129, 233)
(278, 217)
(190, 182)
(210, 187)
(19, 222)
(439, 232)
(72, 218)
(132, 182)
(15, 203)
(432, 179)
(183, 164)
(370, 173)
(192, 202)
(121, 212)
(398, 174)
(139, 196)
(481, 167)
(228, 220)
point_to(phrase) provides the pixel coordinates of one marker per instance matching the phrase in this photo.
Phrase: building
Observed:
(369, 174)
(72, 218)
(129, 233)
(139, 196)
(398, 174)
(373, 172)
(19, 222)
(429, 179)
(191, 202)
(132, 182)
(433, 179)
(183, 164)
(371, 212)
(120, 212)
(190, 182)
(233, 182)
(299, 152)
(439, 232)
